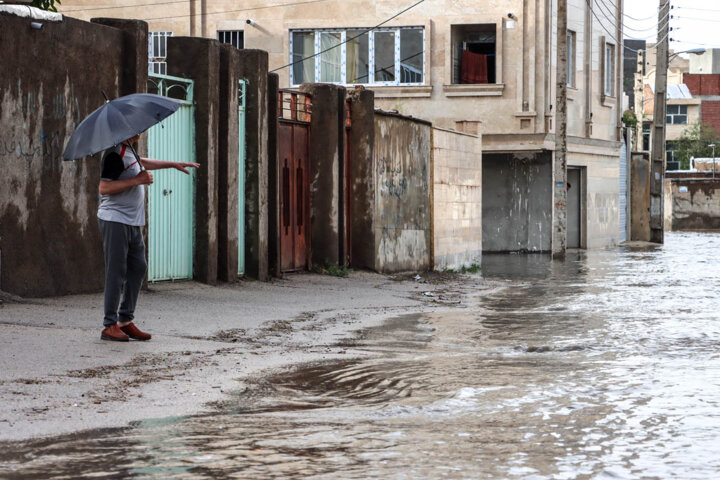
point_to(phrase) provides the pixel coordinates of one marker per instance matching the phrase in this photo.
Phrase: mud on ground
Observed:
(57, 376)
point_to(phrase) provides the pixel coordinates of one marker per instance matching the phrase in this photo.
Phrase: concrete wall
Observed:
(403, 224)
(254, 68)
(640, 197)
(228, 163)
(362, 178)
(600, 222)
(50, 80)
(692, 204)
(327, 179)
(199, 59)
(706, 63)
(457, 199)
(516, 202)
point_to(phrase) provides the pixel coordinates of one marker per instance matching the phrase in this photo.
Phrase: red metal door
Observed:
(293, 148)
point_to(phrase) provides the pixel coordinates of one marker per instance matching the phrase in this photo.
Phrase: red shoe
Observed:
(135, 333)
(114, 333)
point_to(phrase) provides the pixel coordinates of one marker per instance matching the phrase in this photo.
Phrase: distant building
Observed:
(630, 66)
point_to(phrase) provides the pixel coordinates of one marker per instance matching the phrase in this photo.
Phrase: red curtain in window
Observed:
(474, 68)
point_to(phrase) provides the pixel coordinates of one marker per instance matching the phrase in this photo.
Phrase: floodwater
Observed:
(605, 366)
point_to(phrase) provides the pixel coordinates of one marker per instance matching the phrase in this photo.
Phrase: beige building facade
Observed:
(483, 67)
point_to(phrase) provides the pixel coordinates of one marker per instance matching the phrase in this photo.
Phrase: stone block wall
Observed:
(457, 199)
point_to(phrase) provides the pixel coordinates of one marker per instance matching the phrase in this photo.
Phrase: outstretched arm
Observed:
(151, 164)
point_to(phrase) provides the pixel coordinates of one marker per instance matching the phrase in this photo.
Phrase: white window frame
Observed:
(670, 117)
(609, 70)
(371, 55)
(157, 61)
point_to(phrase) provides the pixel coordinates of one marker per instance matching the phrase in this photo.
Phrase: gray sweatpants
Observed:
(125, 268)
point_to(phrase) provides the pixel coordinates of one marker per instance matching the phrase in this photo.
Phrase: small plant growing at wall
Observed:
(629, 119)
(48, 5)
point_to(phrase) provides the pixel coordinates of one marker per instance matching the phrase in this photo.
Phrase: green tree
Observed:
(694, 143)
(48, 5)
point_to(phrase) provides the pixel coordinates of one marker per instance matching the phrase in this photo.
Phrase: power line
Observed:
(290, 4)
(608, 14)
(612, 36)
(122, 6)
(349, 39)
(714, 20)
(697, 9)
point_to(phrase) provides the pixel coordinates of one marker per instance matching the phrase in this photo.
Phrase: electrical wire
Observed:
(612, 36)
(608, 14)
(349, 39)
(715, 20)
(73, 10)
(290, 4)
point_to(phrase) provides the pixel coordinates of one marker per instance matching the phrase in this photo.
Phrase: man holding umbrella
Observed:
(115, 127)
(121, 216)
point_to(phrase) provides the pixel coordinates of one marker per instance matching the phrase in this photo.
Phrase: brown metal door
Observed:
(295, 199)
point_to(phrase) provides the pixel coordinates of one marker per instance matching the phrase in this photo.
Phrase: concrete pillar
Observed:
(274, 265)
(199, 59)
(135, 53)
(254, 68)
(228, 158)
(362, 178)
(640, 197)
(327, 134)
(559, 225)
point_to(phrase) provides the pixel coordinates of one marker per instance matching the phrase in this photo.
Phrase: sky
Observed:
(695, 23)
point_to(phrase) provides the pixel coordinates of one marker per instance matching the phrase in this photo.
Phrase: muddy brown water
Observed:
(604, 366)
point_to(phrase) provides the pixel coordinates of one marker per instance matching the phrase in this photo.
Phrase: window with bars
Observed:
(157, 52)
(355, 56)
(676, 115)
(233, 37)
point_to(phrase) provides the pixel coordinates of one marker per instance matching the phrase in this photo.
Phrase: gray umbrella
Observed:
(117, 121)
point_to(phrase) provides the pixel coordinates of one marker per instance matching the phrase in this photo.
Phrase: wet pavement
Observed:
(605, 366)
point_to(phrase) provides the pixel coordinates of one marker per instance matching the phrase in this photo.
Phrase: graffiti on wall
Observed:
(46, 145)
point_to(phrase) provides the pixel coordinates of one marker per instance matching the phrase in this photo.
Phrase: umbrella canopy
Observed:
(117, 121)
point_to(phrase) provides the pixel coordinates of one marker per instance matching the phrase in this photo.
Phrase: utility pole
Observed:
(657, 158)
(559, 231)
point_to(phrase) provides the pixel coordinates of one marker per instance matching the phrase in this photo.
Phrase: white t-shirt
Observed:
(126, 207)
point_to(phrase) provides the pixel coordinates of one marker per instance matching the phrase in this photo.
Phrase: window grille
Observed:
(157, 52)
(232, 37)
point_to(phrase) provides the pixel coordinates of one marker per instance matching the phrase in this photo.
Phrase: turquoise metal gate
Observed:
(171, 197)
(241, 177)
